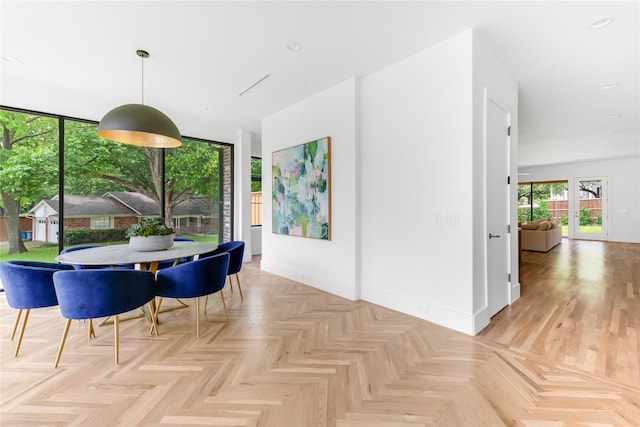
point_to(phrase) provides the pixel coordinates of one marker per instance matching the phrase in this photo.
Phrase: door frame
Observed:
(574, 221)
(505, 297)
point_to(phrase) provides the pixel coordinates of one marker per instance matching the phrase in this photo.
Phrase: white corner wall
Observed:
(623, 177)
(416, 164)
(327, 265)
(403, 155)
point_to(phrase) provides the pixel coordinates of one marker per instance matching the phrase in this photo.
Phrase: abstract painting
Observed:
(301, 190)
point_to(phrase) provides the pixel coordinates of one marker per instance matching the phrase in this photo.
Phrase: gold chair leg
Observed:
(15, 326)
(206, 301)
(64, 338)
(116, 333)
(92, 332)
(197, 317)
(230, 283)
(238, 279)
(224, 304)
(24, 326)
(154, 322)
(154, 315)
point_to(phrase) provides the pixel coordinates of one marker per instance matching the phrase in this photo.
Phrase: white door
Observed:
(53, 231)
(497, 208)
(41, 230)
(590, 208)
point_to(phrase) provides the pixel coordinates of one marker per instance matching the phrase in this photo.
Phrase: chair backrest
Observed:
(77, 248)
(29, 284)
(193, 279)
(93, 267)
(235, 249)
(169, 263)
(87, 294)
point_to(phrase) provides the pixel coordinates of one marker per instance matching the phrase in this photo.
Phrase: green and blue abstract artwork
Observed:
(301, 192)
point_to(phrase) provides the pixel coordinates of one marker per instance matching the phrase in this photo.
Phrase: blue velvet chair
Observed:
(235, 249)
(89, 294)
(27, 285)
(193, 280)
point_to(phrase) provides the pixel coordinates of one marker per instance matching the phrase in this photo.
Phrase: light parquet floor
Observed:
(291, 355)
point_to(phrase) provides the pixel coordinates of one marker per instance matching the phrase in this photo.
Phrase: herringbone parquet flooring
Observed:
(291, 355)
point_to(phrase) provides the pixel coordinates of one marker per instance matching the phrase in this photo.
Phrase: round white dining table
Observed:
(114, 255)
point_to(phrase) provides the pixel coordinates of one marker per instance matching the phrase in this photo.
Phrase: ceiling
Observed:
(77, 58)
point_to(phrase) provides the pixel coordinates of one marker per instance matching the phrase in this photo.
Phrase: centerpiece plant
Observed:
(153, 226)
(150, 234)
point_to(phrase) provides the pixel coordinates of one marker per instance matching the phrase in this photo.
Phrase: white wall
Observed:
(416, 162)
(242, 191)
(623, 177)
(328, 265)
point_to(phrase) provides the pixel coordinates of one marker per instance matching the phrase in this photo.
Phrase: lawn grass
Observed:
(584, 229)
(47, 252)
(44, 253)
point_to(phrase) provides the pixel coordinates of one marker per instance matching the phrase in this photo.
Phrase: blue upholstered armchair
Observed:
(89, 294)
(193, 280)
(235, 249)
(27, 285)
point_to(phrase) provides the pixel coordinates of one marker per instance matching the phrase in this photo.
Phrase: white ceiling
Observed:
(77, 58)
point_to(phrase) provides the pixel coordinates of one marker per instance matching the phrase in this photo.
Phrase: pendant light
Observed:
(139, 124)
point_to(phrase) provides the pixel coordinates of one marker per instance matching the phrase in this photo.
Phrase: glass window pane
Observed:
(192, 192)
(29, 180)
(256, 191)
(108, 186)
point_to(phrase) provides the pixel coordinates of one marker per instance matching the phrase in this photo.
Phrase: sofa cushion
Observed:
(530, 226)
(544, 226)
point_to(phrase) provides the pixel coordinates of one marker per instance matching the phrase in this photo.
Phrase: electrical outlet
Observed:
(423, 309)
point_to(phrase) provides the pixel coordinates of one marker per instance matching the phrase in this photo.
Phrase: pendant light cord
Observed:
(142, 78)
(142, 54)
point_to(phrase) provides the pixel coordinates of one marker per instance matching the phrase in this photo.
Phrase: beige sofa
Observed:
(540, 235)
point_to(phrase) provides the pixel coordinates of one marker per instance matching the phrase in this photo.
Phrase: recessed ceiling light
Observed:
(208, 108)
(294, 46)
(10, 59)
(601, 23)
(610, 86)
(614, 116)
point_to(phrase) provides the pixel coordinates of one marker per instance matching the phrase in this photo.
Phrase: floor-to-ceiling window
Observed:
(29, 153)
(106, 186)
(194, 184)
(543, 200)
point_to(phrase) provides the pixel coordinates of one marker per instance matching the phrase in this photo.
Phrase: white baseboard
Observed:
(315, 280)
(442, 316)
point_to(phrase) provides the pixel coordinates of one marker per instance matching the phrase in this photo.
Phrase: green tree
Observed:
(542, 211)
(191, 169)
(256, 174)
(585, 216)
(28, 167)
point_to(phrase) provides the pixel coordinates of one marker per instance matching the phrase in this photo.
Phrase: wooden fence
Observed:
(256, 208)
(561, 207)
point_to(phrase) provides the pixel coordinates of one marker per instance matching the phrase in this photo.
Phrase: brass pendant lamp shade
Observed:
(139, 124)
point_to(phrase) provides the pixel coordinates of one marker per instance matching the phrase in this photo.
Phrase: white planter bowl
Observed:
(151, 243)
